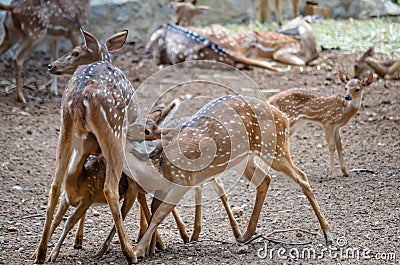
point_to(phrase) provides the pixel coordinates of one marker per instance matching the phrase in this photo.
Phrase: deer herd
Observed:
(99, 121)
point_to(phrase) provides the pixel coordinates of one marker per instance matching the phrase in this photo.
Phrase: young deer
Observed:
(30, 22)
(332, 112)
(94, 116)
(89, 190)
(262, 10)
(209, 145)
(387, 69)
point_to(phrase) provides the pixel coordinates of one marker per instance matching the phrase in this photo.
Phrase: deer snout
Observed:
(348, 97)
(53, 70)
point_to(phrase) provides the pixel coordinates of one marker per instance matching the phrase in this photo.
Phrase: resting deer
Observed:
(263, 45)
(30, 22)
(332, 112)
(90, 185)
(211, 142)
(261, 10)
(387, 69)
(174, 44)
(94, 116)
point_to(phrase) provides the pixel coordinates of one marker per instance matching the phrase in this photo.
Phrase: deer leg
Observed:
(393, 71)
(79, 233)
(62, 209)
(219, 189)
(26, 49)
(64, 151)
(260, 11)
(173, 197)
(330, 137)
(72, 220)
(278, 12)
(287, 167)
(261, 180)
(296, 8)
(339, 150)
(197, 215)
(286, 57)
(54, 56)
(129, 200)
(10, 36)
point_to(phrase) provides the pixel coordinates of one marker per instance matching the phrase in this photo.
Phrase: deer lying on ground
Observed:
(90, 185)
(387, 69)
(262, 10)
(332, 112)
(263, 45)
(94, 113)
(174, 44)
(30, 22)
(219, 136)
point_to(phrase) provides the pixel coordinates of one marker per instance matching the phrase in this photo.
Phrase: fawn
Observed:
(209, 145)
(30, 22)
(332, 112)
(387, 69)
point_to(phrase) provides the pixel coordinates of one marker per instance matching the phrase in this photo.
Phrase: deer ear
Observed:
(116, 41)
(343, 77)
(370, 52)
(368, 80)
(91, 42)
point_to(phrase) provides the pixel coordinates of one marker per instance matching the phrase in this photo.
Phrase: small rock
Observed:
(299, 235)
(12, 229)
(244, 249)
(16, 188)
(237, 211)
(95, 213)
(226, 254)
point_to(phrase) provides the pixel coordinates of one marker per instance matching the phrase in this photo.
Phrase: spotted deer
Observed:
(174, 44)
(94, 115)
(30, 22)
(386, 69)
(332, 112)
(219, 136)
(90, 185)
(263, 5)
(277, 46)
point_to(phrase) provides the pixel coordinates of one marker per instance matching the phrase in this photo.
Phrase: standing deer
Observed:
(30, 22)
(210, 143)
(94, 116)
(262, 10)
(332, 112)
(387, 69)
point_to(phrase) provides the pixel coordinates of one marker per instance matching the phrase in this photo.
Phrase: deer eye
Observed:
(75, 54)
(356, 66)
(146, 132)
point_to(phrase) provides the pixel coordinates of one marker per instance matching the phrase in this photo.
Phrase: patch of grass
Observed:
(349, 34)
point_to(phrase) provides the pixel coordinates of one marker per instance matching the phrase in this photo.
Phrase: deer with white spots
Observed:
(219, 136)
(386, 69)
(88, 190)
(30, 22)
(93, 120)
(332, 112)
(277, 46)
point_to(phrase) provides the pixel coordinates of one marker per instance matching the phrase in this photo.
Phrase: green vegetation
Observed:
(350, 35)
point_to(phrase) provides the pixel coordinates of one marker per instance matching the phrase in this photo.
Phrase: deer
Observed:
(220, 135)
(332, 112)
(277, 46)
(187, 12)
(90, 185)
(174, 44)
(386, 69)
(261, 10)
(94, 115)
(30, 22)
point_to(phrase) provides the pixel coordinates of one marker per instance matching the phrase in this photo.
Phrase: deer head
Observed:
(361, 66)
(354, 87)
(90, 51)
(187, 12)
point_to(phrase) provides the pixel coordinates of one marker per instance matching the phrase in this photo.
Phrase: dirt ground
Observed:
(362, 209)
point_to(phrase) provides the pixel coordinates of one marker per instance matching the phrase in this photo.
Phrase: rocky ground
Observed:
(363, 209)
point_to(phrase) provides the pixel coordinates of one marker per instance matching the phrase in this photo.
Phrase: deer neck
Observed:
(308, 43)
(351, 107)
